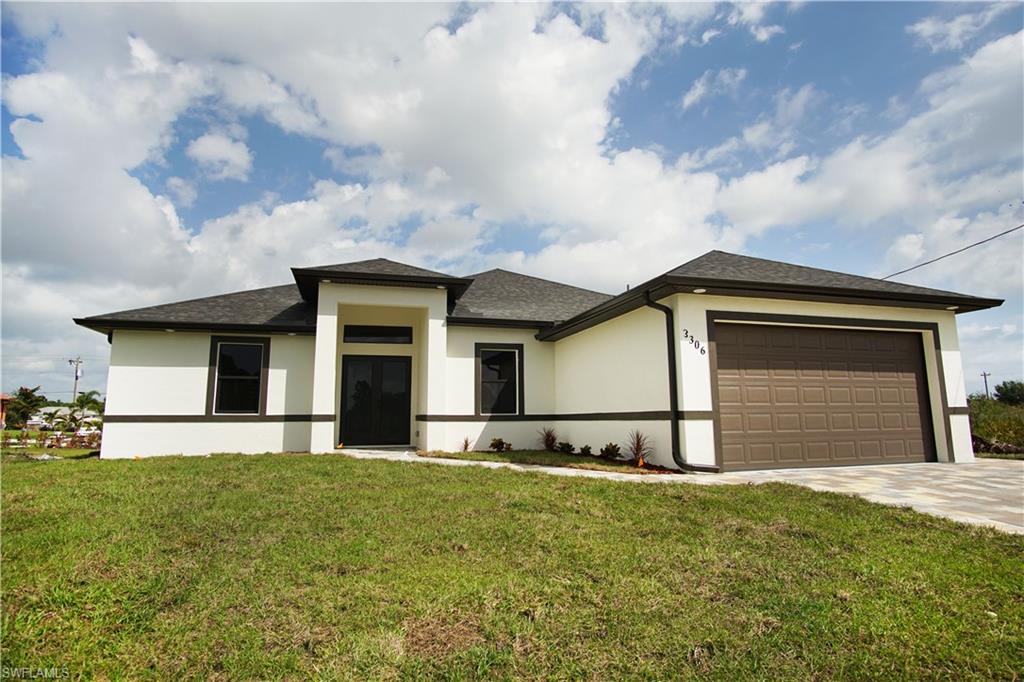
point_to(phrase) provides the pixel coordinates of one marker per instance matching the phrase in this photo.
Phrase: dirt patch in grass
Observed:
(438, 637)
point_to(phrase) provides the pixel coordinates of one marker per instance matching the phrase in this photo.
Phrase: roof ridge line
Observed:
(539, 279)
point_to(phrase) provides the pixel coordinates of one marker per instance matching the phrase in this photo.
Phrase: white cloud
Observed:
(941, 34)
(774, 134)
(221, 157)
(751, 15)
(709, 35)
(725, 81)
(763, 34)
(182, 190)
(961, 154)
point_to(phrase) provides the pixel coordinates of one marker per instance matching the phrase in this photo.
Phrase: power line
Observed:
(953, 253)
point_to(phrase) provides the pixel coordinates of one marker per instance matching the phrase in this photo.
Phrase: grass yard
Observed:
(292, 566)
(545, 458)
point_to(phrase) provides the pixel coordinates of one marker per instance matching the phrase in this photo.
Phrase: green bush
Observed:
(585, 450)
(996, 421)
(566, 448)
(611, 451)
(1010, 392)
(499, 445)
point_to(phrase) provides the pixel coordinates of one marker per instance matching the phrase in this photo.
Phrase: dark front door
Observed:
(375, 399)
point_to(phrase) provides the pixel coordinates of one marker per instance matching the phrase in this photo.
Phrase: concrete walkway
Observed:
(987, 492)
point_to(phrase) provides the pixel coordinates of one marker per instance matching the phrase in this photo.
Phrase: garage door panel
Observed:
(788, 422)
(797, 396)
(890, 395)
(892, 420)
(757, 395)
(840, 395)
(785, 395)
(790, 452)
(812, 395)
(814, 421)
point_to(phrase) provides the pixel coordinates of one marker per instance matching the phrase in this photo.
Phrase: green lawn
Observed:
(546, 458)
(299, 566)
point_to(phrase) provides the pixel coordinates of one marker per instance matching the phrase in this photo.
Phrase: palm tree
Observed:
(89, 400)
(51, 420)
(70, 422)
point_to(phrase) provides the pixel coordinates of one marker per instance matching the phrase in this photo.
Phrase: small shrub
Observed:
(499, 445)
(638, 445)
(611, 452)
(1010, 392)
(548, 438)
(465, 444)
(566, 448)
(586, 451)
(995, 422)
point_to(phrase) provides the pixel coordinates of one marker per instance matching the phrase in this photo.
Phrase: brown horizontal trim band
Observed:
(497, 322)
(213, 418)
(648, 415)
(958, 410)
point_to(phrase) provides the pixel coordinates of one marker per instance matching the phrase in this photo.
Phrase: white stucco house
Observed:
(727, 363)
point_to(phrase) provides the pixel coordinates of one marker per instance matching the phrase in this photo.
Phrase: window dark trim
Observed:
(211, 377)
(520, 374)
(380, 331)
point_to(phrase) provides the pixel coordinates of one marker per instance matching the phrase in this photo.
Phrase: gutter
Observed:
(673, 387)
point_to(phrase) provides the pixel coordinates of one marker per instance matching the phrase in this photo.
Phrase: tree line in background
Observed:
(27, 402)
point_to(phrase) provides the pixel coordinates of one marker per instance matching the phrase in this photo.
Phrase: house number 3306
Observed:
(695, 342)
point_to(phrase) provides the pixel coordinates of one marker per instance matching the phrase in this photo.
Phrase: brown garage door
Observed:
(806, 396)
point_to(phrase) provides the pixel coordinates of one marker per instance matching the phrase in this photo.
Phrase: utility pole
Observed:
(77, 364)
(985, 376)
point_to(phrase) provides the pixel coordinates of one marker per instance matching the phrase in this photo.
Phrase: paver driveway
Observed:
(986, 492)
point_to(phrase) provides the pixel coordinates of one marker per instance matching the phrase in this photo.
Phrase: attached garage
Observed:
(793, 396)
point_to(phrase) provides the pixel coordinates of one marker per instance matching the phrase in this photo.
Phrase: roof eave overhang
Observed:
(667, 285)
(105, 326)
(309, 279)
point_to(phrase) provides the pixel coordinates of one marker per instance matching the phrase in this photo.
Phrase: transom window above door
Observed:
(499, 372)
(363, 333)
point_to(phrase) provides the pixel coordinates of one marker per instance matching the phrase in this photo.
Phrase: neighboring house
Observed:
(38, 419)
(4, 399)
(726, 362)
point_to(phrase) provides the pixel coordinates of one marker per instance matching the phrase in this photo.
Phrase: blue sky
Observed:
(185, 151)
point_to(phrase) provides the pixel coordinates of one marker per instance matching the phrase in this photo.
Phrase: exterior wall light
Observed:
(699, 291)
(952, 307)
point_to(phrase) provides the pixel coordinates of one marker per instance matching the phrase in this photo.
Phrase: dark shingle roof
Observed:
(720, 265)
(272, 307)
(378, 266)
(503, 295)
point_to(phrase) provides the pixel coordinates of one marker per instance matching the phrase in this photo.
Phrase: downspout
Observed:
(673, 388)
